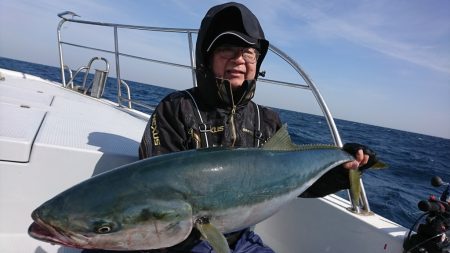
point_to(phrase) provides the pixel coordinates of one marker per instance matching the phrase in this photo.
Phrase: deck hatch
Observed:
(16, 142)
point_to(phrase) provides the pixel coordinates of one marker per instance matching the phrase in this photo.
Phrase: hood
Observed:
(219, 19)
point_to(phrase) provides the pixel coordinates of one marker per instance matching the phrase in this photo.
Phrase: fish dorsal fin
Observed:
(281, 141)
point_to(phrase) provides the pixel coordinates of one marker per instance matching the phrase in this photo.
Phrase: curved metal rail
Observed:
(117, 54)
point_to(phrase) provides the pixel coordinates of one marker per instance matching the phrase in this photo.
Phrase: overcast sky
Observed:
(383, 62)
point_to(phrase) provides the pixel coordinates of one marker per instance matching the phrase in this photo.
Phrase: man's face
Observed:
(235, 64)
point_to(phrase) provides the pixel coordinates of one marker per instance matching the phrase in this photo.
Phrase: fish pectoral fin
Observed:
(212, 235)
(355, 185)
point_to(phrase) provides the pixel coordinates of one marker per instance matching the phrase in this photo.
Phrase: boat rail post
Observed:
(70, 76)
(365, 201)
(116, 55)
(61, 59)
(192, 58)
(127, 88)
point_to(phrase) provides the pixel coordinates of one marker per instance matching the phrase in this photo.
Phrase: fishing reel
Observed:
(433, 234)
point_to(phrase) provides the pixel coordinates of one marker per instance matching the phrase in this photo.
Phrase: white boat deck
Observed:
(50, 139)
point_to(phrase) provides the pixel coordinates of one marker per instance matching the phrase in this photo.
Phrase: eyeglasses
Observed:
(249, 54)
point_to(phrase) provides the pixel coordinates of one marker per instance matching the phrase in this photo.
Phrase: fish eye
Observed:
(103, 229)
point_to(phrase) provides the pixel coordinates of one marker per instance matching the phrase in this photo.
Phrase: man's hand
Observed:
(360, 160)
(364, 157)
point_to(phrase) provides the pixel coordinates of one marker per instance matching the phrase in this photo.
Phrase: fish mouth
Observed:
(42, 231)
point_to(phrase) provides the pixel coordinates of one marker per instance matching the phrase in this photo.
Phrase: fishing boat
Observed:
(55, 135)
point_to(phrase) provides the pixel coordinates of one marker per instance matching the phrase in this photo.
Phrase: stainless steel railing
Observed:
(117, 54)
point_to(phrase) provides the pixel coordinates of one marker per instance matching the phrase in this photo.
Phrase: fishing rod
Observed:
(431, 236)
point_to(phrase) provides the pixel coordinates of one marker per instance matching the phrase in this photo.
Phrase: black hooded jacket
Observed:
(212, 114)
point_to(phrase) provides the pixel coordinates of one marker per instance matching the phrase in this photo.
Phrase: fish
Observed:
(157, 202)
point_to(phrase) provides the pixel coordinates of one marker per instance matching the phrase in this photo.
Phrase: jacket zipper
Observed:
(231, 120)
(233, 126)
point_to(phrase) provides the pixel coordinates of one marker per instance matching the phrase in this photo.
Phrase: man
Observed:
(230, 49)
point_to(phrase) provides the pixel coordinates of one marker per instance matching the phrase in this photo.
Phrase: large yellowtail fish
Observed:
(155, 203)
